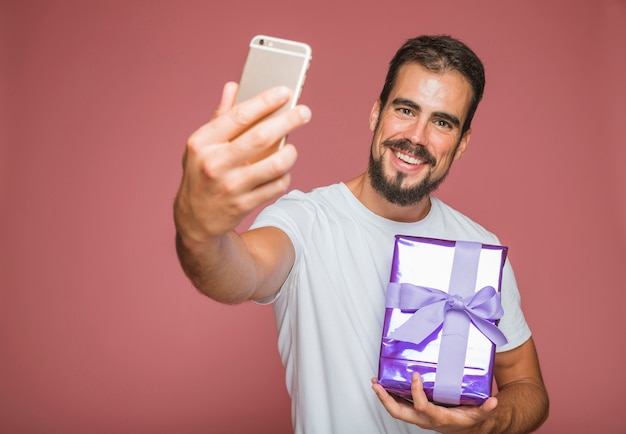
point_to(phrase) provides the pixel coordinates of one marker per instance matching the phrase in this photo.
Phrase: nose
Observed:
(417, 132)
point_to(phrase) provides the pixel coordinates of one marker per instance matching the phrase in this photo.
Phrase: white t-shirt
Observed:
(330, 310)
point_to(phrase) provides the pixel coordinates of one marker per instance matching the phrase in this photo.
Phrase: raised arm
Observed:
(219, 188)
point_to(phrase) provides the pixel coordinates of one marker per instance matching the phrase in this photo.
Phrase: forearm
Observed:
(522, 407)
(222, 268)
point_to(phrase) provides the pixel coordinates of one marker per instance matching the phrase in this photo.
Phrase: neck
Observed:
(362, 189)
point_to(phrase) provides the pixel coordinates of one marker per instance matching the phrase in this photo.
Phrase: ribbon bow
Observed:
(431, 304)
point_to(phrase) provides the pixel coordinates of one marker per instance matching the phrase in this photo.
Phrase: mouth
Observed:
(409, 159)
(408, 153)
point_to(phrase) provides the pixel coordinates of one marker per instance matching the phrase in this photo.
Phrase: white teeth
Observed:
(407, 158)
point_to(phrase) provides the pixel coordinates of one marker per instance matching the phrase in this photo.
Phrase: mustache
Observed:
(418, 151)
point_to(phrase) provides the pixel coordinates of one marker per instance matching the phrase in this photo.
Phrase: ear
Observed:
(462, 147)
(374, 114)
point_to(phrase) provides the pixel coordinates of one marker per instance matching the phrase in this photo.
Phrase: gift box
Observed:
(442, 308)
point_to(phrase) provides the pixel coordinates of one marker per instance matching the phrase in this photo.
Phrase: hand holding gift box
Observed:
(440, 320)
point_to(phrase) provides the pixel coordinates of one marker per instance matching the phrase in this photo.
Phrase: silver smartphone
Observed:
(273, 62)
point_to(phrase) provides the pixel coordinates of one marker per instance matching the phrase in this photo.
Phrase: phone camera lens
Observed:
(262, 42)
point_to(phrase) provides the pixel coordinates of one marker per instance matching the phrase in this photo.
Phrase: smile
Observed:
(408, 158)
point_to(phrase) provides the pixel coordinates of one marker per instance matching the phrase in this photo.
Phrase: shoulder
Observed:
(299, 209)
(459, 224)
(319, 194)
(321, 199)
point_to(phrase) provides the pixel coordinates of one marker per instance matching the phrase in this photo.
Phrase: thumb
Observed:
(489, 405)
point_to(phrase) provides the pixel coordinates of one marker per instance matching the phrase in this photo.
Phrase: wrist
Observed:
(195, 244)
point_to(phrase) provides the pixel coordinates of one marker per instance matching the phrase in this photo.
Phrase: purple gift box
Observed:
(442, 308)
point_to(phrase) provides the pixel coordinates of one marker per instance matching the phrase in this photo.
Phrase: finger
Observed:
(247, 178)
(266, 134)
(216, 133)
(245, 199)
(420, 400)
(432, 414)
(274, 166)
(396, 407)
(237, 118)
(229, 92)
(424, 409)
(388, 401)
(270, 190)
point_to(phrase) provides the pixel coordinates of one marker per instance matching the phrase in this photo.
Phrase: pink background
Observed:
(100, 331)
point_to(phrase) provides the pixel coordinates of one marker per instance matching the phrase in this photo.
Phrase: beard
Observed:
(391, 188)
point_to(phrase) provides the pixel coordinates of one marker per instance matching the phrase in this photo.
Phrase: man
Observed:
(323, 258)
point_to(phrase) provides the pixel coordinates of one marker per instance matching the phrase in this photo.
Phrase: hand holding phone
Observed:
(219, 187)
(274, 62)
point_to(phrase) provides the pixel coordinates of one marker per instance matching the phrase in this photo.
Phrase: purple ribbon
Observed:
(432, 306)
(454, 310)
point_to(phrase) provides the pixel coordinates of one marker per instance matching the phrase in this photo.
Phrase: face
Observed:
(417, 135)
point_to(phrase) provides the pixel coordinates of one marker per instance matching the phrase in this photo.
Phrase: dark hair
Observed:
(439, 53)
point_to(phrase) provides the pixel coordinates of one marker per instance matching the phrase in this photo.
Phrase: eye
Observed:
(405, 111)
(443, 124)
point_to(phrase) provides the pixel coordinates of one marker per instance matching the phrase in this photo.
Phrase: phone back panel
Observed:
(272, 62)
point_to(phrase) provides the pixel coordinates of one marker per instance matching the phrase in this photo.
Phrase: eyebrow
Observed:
(413, 105)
